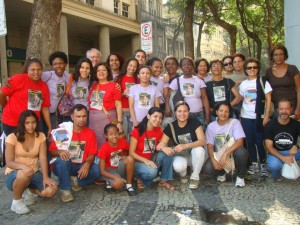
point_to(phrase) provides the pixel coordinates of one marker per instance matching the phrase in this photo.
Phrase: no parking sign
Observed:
(146, 37)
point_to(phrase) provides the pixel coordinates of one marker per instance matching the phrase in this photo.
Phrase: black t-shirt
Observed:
(219, 91)
(186, 134)
(283, 136)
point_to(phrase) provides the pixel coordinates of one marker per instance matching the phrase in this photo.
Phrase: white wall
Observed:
(292, 30)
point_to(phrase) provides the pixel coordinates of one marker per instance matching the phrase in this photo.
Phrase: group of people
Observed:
(126, 125)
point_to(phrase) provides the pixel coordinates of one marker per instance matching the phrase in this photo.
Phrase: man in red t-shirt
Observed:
(76, 168)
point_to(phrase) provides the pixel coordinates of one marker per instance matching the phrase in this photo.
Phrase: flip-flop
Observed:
(166, 185)
(140, 184)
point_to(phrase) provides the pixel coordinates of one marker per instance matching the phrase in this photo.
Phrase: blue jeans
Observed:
(36, 181)
(254, 139)
(275, 164)
(65, 169)
(146, 174)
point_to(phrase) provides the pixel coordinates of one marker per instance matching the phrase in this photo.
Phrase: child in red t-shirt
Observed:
(114, 164)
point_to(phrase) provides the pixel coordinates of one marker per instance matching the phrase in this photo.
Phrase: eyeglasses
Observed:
(252, 68)
(227, 64)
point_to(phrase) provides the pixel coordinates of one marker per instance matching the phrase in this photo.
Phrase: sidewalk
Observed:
(260, 202)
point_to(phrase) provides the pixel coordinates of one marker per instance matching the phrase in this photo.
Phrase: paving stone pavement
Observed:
(262, 201)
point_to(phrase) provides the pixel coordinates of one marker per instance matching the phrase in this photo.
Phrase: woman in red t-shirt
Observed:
(105, 102)
(114, 164)
(143, 142)
(126, 79)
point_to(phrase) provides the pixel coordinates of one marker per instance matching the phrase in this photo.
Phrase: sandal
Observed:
(166, 185)
(140, 184)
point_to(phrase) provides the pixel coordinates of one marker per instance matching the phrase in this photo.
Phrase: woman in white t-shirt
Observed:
(142, 96)
(256, 92)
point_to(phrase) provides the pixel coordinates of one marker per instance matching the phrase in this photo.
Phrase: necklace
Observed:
(216, 82)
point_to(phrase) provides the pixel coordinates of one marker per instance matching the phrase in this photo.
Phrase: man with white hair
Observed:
(94, 55)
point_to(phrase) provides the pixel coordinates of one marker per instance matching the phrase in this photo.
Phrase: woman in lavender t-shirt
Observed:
(217, 134)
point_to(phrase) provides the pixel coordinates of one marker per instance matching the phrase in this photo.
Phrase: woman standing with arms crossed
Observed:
(105, 102)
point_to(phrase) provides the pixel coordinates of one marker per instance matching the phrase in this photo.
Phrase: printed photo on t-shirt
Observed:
(185, 138)
(154, 83)
(76, 150)
(80, 93)
(188, 89)
(60, 90)
(129, 85)
(250, 96)
(115, 158)
(149, 148)
(283, 141)
(35, 100)
(220, 140)
(219, 93)
(144, 100)
(97, 99)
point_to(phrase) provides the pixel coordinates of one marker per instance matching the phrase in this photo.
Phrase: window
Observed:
(125, 8)
(90, 2)
(116, 6)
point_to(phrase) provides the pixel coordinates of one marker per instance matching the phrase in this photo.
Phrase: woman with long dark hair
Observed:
(143, 142)
(25, 150)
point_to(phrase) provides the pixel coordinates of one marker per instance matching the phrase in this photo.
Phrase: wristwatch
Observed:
(120, 122)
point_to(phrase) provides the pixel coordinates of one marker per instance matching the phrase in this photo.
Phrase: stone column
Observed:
(104, 43)
(63, 37)
(135, 42)
(3, 62)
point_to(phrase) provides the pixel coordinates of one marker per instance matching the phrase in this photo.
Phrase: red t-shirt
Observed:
(23, 94)
(142, 147)
(127, 82)
(112, 155)
(86, 139)
(107, 93)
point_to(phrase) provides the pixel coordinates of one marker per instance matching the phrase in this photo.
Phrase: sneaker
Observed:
(29, 198)
(253, 168)
(222, 178)
(19, 207)
(108, 187)
(240, 182)
(74, 182)
(277, 179)
(131, 191)
(184, 179)
(194, 184)
(263, 170)
(66, 196)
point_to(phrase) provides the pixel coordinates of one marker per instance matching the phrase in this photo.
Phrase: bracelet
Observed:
(121, 122)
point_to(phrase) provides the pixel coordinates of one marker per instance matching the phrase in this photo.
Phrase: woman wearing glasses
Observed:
(256, 92)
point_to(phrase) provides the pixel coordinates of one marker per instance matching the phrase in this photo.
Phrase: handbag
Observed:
(291, 171)
(66, 102)
(229, 164)
(271, 105)
(178, 95)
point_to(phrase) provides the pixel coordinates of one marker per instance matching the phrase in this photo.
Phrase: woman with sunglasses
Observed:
(256, 92)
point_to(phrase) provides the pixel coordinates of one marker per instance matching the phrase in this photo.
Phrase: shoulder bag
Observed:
(272, 105)
(154, 153)
(66, 102)
(182, 153)
(229, 165)
(178, 95)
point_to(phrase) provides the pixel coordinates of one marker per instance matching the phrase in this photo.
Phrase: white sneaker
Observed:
(194, 184)
(240, 182)
(222, 178)
(19, 207)
(66, 196)
(253, 168)
(29, 198)
(184, 179)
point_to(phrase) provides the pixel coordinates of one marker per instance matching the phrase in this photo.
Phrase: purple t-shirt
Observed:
(190, 89)
(57, 86)
(216, 134)
(80, 92)
(143, 99)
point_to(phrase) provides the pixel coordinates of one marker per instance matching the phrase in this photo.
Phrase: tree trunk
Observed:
(43, 36)
(231, 29)
(251, 34)
(200, 25)
(188, 28)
